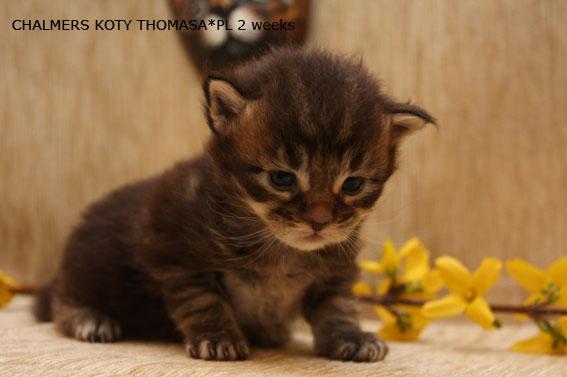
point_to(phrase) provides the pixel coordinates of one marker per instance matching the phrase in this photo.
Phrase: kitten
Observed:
(225, 250)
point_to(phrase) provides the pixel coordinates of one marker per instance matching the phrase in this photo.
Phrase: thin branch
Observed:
(532, 310)
(23, 289)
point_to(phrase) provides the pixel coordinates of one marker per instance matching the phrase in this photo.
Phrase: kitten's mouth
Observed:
(315, 237)
(307, 241)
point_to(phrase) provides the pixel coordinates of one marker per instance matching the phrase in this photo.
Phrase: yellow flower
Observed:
(550, 340)
(370, 266)
(362, 289)
(6, 284)
(408, 271)
(466, 291)
(5, 295)
(405, 324)
(409, 276)
(546, 287)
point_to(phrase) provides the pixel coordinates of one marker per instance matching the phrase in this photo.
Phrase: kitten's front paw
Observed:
(92, 327)
(217, 347)
(353, 346)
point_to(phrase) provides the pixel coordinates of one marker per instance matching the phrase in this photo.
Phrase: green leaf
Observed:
(552, 292)
(413, 287)
(558, 339)
(544, 326)
(403, 321)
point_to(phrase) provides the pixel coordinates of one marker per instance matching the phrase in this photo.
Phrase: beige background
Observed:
(82, 112)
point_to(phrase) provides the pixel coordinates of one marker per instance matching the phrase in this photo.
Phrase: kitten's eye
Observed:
(282, 180)
(352, 185)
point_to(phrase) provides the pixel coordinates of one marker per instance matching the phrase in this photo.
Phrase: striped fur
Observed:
(211, 252)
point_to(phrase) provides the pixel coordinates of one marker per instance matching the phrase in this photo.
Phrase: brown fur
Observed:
(211, 252)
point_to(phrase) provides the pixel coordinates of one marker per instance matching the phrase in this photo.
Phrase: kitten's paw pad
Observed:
(359, 347)
(221, 349)
(97, 328)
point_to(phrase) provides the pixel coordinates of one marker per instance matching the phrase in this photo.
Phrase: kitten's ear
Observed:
(224, 103)
(407, 118)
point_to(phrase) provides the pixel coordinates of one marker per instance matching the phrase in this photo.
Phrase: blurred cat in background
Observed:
(225, 250)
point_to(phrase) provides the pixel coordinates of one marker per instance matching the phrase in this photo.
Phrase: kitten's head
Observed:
(310, 141)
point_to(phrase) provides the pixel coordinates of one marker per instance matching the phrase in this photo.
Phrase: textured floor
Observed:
(447, 349)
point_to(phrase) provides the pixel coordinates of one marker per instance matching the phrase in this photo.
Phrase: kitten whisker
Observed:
(370, 241)
(221, 211)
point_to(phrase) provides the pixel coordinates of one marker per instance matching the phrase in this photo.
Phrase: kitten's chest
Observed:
(269, 297)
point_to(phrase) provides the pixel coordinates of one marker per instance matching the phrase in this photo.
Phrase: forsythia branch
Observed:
(24, 289)
(531, 310)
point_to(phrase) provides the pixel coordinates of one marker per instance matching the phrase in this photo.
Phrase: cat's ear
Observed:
(224, 103)
(407, 118)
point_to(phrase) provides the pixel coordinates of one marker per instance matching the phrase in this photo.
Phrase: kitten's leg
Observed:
(203, 317)
(337, 333)
(85, 324)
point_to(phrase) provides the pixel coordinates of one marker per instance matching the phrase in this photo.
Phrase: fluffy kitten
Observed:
(226, 249)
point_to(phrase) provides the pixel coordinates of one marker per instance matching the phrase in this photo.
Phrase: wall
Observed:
(83, 112)
(491, 181)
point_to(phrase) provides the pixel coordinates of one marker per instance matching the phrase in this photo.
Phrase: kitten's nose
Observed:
(317, 226)
(319, 216)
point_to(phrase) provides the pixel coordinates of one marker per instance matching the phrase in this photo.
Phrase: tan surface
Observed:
(450, 349)
(85, 111)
